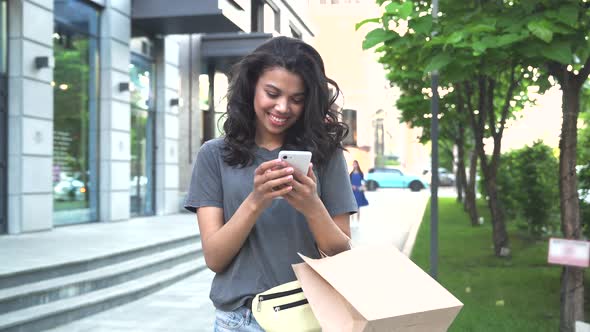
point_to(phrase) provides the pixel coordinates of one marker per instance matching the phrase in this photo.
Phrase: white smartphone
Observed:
(297, 159)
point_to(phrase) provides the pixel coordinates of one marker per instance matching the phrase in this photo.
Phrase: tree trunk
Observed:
(485, 97)
(470, 201)
(460, 174)
(500, 236)
(572, 278)
(460, 177)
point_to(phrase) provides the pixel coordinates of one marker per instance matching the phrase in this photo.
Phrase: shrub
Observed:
(528, 187)
(584, 186)
(507, 179)
(539, 192)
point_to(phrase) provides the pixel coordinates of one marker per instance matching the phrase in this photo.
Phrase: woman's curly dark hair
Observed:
(317, 130)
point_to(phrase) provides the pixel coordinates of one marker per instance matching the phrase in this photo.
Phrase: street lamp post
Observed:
(434, 164)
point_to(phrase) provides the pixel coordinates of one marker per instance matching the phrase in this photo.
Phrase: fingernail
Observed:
(290, 169)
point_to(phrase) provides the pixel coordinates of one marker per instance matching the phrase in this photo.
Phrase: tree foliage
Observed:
(496, 51)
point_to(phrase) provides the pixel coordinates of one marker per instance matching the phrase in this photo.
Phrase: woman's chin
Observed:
(277, 130)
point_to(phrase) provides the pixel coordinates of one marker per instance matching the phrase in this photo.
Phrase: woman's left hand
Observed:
(304, 196)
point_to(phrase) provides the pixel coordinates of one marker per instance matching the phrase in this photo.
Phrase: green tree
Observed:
(489, 44)
(584, 159)
(470, 50)
(559, 44)
(584, 130)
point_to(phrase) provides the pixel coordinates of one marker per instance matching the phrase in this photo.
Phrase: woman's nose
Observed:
(281, 105)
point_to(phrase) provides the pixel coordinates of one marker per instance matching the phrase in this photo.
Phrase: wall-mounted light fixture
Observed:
(44, 62)
(123, 86)
(174, 102)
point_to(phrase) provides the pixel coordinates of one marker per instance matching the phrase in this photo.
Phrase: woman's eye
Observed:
(272, 95)
(298, 100)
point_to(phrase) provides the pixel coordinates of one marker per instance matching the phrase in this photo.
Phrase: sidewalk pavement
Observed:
(392, 218)
(87, 241)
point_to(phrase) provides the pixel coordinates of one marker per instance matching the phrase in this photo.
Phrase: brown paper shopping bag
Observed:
(375, 289)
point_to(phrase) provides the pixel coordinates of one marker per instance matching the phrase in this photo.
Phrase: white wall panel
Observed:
(37, 137)
(34, 179)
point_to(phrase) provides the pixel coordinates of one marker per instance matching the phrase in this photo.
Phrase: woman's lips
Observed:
(277, 120)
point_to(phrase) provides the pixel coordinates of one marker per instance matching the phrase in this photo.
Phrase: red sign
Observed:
(569, 252)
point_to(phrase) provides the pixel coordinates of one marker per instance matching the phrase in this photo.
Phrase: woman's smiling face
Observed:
(278, 102)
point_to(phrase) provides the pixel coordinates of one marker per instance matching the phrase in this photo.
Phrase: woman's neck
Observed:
(269, 142)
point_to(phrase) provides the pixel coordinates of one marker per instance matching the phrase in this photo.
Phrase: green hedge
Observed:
(529, 189)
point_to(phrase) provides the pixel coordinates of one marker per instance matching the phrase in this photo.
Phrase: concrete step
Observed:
(46, 316)
(46, 291)
(10, 280)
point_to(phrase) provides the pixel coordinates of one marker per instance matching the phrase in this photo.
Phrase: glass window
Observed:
(212, 128)
(257, 16)
(349, 117)
(75, 97)
(141, 190)
(3, 120)
(78, 15)
(272, 18)
(3, 36)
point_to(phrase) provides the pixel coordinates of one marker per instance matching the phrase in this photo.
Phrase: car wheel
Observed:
(372, 185)
(416, 186)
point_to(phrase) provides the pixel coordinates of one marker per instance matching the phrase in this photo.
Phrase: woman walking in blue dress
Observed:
(357, 180)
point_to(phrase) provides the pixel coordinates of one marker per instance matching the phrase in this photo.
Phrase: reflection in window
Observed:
(75, 113)
(212, 128)
(141, 90)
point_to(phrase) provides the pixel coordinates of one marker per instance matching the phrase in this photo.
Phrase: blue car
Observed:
(392, 178)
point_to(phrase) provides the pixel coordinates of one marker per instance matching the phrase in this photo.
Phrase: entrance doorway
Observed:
(3, 155)
(3, 120)
(142, 184)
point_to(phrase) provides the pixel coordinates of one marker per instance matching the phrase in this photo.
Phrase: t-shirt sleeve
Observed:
(335, 187)
(205, 188)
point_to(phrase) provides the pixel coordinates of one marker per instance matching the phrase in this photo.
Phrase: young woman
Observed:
(279, 99)
(357, 179)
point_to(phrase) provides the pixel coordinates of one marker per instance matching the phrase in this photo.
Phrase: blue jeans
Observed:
(240, 320)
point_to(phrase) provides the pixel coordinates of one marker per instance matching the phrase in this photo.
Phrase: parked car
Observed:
(446, 178)
(392, 178)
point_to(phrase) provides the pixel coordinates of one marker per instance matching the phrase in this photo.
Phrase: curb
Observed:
(411, 239)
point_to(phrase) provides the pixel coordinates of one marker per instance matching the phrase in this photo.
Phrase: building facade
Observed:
(100, 114)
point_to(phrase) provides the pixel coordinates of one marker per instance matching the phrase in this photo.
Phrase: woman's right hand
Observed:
(271, 180)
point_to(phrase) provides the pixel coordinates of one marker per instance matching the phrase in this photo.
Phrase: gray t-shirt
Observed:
(265, 259)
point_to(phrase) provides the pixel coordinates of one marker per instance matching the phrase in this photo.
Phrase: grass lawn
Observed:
(516, 294)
